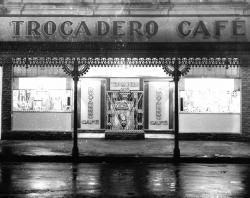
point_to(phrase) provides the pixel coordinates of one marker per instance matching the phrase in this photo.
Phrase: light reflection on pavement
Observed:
(124, 180)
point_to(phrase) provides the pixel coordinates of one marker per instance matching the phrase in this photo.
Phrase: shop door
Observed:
(124, 110)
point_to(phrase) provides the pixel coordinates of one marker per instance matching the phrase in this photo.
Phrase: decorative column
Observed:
(75, 68)
(176, 68)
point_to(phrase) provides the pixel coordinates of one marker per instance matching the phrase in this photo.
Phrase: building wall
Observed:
(1, 81)
(6, 98)
(245, 100)
(123, 7)
(104, 7)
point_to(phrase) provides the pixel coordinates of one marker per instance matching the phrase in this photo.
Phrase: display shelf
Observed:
(210, 96)
(70, 111)
(31, 100)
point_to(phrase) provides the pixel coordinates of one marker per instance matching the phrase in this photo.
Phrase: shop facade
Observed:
(125, 87)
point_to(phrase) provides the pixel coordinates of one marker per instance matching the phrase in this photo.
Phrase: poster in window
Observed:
(90, 103)
(158, 105)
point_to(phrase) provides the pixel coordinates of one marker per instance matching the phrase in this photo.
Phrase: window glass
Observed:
(210, 95)
(41, 94)
(158, 105)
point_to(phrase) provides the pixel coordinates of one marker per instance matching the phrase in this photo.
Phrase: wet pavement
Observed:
(124, 180)
(151, 149)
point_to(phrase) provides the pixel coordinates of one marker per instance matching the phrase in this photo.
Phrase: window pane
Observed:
(210, 95)
(41, 94)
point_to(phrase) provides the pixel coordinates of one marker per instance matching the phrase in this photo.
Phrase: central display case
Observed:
(124, 110)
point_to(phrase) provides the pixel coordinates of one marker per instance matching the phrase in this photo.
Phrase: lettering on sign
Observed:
(90, 108)
(90, 103)
(158, 104)
(159, 122)
(122, 28)
(69, 28)
(124, 84)
(90, 122)
(189, 29)
(158, 109)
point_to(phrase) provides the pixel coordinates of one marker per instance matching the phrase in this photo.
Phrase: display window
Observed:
(210, 95)
(41, 94)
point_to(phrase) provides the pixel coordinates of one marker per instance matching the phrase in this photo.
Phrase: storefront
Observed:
(209, 102)
(125, 88)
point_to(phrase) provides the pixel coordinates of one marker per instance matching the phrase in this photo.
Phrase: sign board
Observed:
(158, 107)
(90, 103)
(125, 28)
(126, 84)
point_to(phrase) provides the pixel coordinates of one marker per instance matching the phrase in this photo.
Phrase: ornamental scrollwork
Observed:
(128, 61)
(75, 67)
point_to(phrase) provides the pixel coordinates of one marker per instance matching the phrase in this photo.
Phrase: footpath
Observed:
(148, 150)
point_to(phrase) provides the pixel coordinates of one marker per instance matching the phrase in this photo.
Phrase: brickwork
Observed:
(6, 98)
(245, 90)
